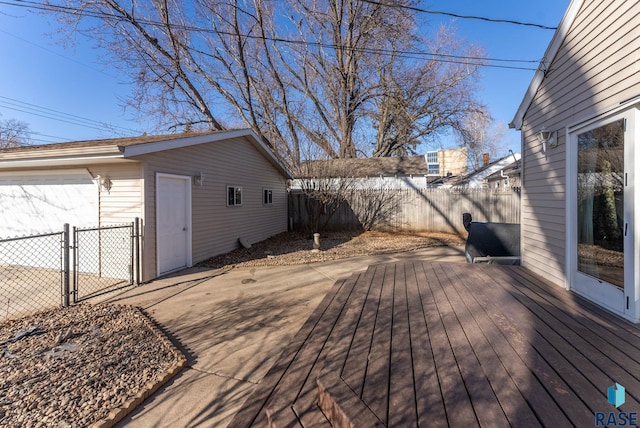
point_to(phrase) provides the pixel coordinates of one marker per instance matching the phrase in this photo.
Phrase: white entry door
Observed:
(173, 222)
(602, 254)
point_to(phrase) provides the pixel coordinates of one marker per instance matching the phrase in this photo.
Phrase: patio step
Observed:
(342, 407)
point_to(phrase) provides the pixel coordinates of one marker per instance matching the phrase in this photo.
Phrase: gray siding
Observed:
(216, 227)
(124, 202)
(594, 70)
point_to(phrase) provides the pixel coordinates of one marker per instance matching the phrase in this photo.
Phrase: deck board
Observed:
(355, 367)
(295, 396)
(456, 398)
(602, 360)
(375, 392)
(402, 410)
(553, 366)
(502, 335)
(571, 337)
(420, 343)
(483, 342)
(487, 408)
(429, 403)
(254, 410)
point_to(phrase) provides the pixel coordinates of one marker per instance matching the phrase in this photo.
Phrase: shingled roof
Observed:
(365, 167)
(119, 142)
(124, 149)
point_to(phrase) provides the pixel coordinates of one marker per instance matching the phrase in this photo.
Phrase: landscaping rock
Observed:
(87, 362)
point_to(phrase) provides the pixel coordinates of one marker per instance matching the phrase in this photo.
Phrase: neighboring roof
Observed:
(481, 174)
(549, 56)
(365, 167)
(511, 170)
(102, 151)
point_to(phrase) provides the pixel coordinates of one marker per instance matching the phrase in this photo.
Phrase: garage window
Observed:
(267, 196)
(234, 196)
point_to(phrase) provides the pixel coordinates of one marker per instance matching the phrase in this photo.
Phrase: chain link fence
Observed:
(31, 273)
(103, 259)
(51, 270)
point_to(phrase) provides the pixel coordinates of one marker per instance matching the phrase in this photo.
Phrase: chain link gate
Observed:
(105, 259)
(52, 270)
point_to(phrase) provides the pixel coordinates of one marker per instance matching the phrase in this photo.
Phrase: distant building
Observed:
(447, 163)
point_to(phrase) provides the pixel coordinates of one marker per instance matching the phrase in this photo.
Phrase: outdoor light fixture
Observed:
(548, 139)
(198, 179)
(104, 182)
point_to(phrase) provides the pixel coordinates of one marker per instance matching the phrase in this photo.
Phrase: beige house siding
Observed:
(125, 200)
(595, 69)
(216, 227)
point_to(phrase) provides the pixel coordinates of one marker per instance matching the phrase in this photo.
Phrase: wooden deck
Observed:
(446, 344)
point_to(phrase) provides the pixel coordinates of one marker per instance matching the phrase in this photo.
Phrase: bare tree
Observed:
(480, 134)
(376, 208)
(13, 133)
(340, 187)
(325, 185)
(421, 101)
(301, 73)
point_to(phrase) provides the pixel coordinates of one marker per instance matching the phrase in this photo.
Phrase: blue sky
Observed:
(37, 72)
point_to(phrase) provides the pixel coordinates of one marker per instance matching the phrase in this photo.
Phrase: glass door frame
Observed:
(624, 302)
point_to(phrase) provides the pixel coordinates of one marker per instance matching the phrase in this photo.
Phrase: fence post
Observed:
(65, 265)
(136, 250)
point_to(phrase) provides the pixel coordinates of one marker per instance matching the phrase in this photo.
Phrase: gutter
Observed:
(59, 161)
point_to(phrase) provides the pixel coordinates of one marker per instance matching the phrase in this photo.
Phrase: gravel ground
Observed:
(73, 367)
(89, 365)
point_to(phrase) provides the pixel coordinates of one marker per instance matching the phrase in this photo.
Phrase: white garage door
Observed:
(36, 203)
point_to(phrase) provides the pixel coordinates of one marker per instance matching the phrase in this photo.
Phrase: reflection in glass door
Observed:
(600, 194)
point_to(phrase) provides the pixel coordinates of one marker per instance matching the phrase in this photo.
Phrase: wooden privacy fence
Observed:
(404, 210)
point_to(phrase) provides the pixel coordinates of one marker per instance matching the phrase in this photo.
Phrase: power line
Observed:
(51, 117)
(42, 140)
(52, 112)
(389, 52)
(455, 15)
(453, 59)
(40, 134)
(41, 112)
(58, 54)
(48, 113)
(457, 59)
(75, 11)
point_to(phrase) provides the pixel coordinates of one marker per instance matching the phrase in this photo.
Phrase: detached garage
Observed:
(196, 194)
